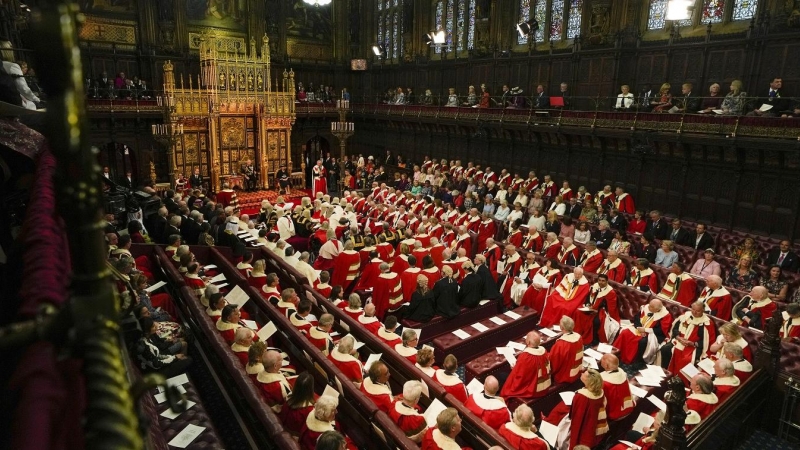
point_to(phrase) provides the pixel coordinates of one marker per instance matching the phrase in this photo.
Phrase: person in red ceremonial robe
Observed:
(271, 290)
(616, 388)
(353, 308)
(549, 188)
(510, 265)
(194, 281)
(400, 263)
(791, 322)
(702, 400)
(387, 294)
(288, 302)
(521, 433)
(613, 267)
(216, 302)
(591, 259)
(566, 355)
(407, 413)
(370, 273)
(493, 253)
(569, 253)
(245, 266)
(437, 252)
(543, 281)
(320, 179)
(226, 197)
(322, 286)
(228, 323)
(623, 202)
(729, 333)
(566, 192)
(486, 229)
(319, 421)
(275, 387)
(680, 286)
(570, 294)
(725, 379)
(384, 249)
(514, 235)
(588, 422)
(741, 366)
(692, 333)
(717, 299)
(298, 404)
(599, 316)
(523, 280)
(754, 309)
(443, 436)
(243, 339)
(344, 357)
(299, 318)
(533, 241)
(409, 278)
(457, 264)
(463, 240)
(376, 386)
(386, 332)
(407, 348)
(530, 377)
(368, 319)
(448, 378)
(419, 250)
(642, 277)
(320, 335)
(257, 278)
(648, 330)
(255, 354)
(431, 272)
(346, 267)
(551, 247)
(487, 406)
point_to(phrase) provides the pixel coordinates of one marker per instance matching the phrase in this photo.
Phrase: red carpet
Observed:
(250, 202)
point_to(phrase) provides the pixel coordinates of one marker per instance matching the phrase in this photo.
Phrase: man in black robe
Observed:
(471, 287)
(445, 294)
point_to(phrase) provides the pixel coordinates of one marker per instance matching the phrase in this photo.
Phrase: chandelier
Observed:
(318, 2)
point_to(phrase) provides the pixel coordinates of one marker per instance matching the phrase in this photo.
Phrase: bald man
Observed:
(754, 309)
(566, 298)
(388, 292)
(376, 386)
(648, 330)
(725, 379)
(488, 406)
(368, 319)
(717, 299)
(616, 388)
(702, 400)
(530, 377)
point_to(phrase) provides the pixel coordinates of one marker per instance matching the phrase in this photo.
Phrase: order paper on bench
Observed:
(220, 277)
(590, 362)
(474, 386)
(556, 328)
(642, 421)
(509, 354)
(178, 380)
(461, 334)
(372, 358)
(480, 327)
(637, 391)
(689, 371)
(433, 411)
(658, 402)
(593, 353)
(497, 321)
(548, 332)
(645, 381)
(567, 397)
(252, 324)
(181, 389)
(161, 398)
(155, 286)
(267, 331)
(171, 415)
(331, 391)
(512, 314)
(185, 437)
(655, 371)
(549, 432)
(516, 345)
(425, 391)
(707, 365)
(237, 296)
(604, 348)
(209, 266)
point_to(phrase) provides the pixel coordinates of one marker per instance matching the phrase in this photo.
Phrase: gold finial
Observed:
(291, 73)
(168, 66)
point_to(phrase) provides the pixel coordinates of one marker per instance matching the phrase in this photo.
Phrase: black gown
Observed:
(471, 289)
(421, 308)
(445, 294)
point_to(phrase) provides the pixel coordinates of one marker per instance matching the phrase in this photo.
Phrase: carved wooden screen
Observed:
(236, 142)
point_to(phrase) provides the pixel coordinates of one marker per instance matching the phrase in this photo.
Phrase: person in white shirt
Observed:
(625, 99)
(537, 220)
(559, 206)
(284, 224)
(305, 268)
(29, 99)
(502, 211)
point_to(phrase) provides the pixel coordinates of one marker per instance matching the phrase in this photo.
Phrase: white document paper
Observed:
(590, 362)
(243, 233)
(516, 345)
(497, 321)
(707, 365)
(674, 110)
(334, 334)
(548, 332)
(178, 380)
(461, 334)
(249, 239)
(604, 348)
(483, 302)
(171, 415)
(652, 382)
(658, 402)
(425, 390)
(509, 354)
(155, 286)
(689, 371)
(655, 371)
(593, 353)
(161, 398)
(237, 296)
(549, 432)
(718, 111)
(312, 318)
(330, 390)
(474, 386)
(433, 411)
(185, 437)
(642, 421)
(252, 324)
(765, 107)
(630, 445)
(637, 391)
(556, 328)
(480, 327)
(586, 310)
(372, 358)
(221, 285)
(356, 345)
(220, 277)
(567, 397)
(266, 331)
(209, 266)
(512, 314)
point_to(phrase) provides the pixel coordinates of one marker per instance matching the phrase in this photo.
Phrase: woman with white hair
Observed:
(407, 413)
(521, 432)
(320, 420)
(502, 211)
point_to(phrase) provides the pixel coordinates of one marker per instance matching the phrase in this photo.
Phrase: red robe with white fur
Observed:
(380, 394)
(566, 358)
(407, 418)
(564, 300)
(618, 394)
(452, 384)
(522, 439)
(491, 410)
(350, 366)
(530, 377)
(387, 294)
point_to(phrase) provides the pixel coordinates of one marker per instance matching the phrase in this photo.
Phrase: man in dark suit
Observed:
(617, 221)
(784, 257)
(645, 97)
(688, 103)
(505, 98)
(196, 180)
(573, 209)
(678, 234)
(602, 236)
(169, 202)
(657, 226)
(191, 231)
(157, 223)
(389, 161)
(700, 239)
(774, 98)
(469, 295)
(127, 182)
(541, 100)
(489, 290)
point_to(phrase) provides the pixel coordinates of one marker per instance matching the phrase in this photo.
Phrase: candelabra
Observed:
(168, 133)
(342, 130)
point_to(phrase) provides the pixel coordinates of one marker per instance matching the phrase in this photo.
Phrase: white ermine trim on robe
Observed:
(732, 380)
(525, 434)
(317, 425)
(617, 377)
(375, 389)
(404, 351)
(711, 398)
(255, 369)
(429, 371)
(225, 326)
(405, 410)
(488, 404)
(239, 348)
(447, 380)
(444, 442)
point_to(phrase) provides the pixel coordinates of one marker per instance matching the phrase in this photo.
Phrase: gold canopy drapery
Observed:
(233, 111)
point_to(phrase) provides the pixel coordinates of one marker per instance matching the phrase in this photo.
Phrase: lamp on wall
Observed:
(435, 38)
(318, 2)
(378, 50)
(528, 28)
(679, 9)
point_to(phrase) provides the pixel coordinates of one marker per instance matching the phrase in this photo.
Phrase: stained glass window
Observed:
(658, 15)
(461, 24)
(540, 15)
(556, 20)
(390, 27)
(439, 21)
(448, 24)
(712, 11)
(744, 9)
(574, 23)
(524, 15)
(471, 26)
